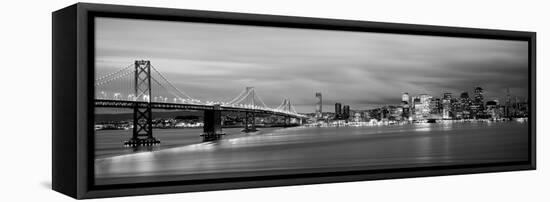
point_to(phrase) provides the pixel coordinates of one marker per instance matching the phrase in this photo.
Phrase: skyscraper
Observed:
(446, 105)
(435, 107)
(338, 110)
(346, 113)
(405, 105)
(319, 105)
(493, 109)
(478, 95)
(507, 109)
(417, 108)
(464, 95)
(405, 97)
(422, 108)
(478, 105)
(464, 106)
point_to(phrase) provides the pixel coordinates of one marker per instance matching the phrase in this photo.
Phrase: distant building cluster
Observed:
(425, 107)
(178, 122)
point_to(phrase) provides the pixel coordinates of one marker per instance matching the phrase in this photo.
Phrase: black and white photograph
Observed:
(180, 101)
(275, 101)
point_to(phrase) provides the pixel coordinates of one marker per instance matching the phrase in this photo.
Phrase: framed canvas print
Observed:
(154, 100)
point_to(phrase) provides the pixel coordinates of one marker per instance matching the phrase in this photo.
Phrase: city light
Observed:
(424, 108)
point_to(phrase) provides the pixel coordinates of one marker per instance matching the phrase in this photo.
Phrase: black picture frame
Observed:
(72, 100)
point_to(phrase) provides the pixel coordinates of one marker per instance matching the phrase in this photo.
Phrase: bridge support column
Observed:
(287, 120)
(252, 121)
(212, 129)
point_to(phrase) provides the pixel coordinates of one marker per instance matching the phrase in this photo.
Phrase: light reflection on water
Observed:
(312, 148)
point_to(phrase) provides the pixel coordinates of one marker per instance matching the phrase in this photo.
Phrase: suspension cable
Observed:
(173, 94)
(114, 78)
(238, 96)
(112, 73)
(166, 80)
(261, 101)
(242, 98)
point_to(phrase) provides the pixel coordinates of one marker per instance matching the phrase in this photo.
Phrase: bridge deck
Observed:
(182, 106)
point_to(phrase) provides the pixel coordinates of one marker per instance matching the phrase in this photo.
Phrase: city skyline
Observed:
(356, 68)
(501, 100)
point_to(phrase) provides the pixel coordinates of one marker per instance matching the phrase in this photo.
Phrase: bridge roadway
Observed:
(212, 128)
(183, 106)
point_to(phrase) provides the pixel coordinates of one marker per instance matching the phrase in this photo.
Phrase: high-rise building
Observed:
(493, 109)
(423, 108)
(446, 105)
(338, 110)
(507, 109)
(436, 107)
(477, 106)
(416, 106)
(405, 98)
(346, 113)
(478, 95)
(384, 113)
(425, 99)
(357, 117)
(319, 105)
(463, 109)
(464, 95)
(405, 106)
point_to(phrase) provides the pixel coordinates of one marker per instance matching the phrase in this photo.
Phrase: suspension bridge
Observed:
(141, 87)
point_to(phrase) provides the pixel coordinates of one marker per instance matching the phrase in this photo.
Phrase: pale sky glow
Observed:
(216, 62)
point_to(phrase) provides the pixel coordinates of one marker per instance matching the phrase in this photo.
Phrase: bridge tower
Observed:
(143, 123)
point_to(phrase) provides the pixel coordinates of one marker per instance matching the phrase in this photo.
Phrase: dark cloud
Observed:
(215, 62)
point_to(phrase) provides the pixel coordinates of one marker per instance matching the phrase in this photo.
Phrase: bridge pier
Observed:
(287, 120)
(252, 127)
(212, 129)
(142, 133)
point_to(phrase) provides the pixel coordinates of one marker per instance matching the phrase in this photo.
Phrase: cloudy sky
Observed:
(216, 62)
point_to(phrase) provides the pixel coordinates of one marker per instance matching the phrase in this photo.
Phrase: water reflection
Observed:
(285, 149)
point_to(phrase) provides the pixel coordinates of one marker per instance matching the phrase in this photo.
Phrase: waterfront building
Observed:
(357, 117)
(508, 106)
(421, 106)
(405, 98)
(346, 112)
(493, 109)
(417, 108)
(435, 107)
(319, 105)
(384, 113)
(477, 106)
(366, 115)
(446, 105)
(405, 111)
(405, 107)
(464, 107)
(424, 106)
(478, 95)
(396, 113)
(338, 111)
